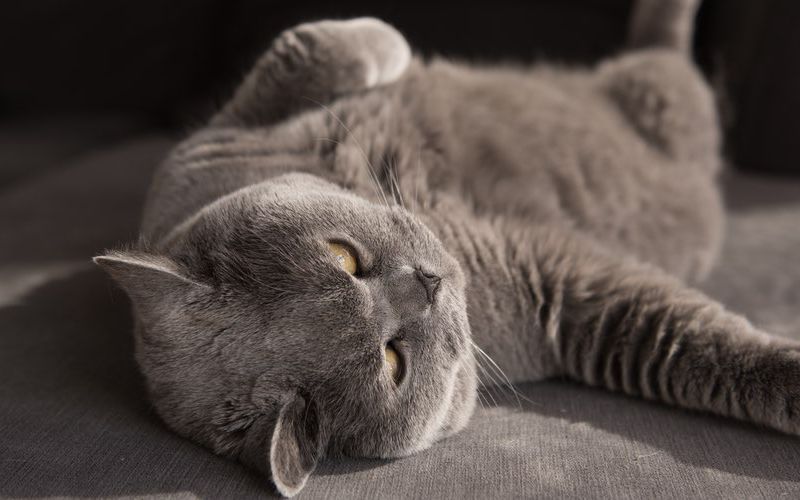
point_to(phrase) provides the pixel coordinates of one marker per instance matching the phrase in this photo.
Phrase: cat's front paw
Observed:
(350, 55)
(769, 389)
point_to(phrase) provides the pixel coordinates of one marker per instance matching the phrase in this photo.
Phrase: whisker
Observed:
(502, 374)
(375, 183)
(417, 178)
(480, 396)
(355, 140)
(394, 186)
(486, 388)
(396, 180)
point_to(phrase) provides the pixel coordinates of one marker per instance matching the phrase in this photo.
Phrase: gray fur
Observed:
(663, 23)
(563, 209)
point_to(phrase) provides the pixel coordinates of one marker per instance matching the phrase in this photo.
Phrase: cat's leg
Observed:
(662, 23)
(629, 327)
(546, 302)
(314, 63)
(658, 88)
(666, 100)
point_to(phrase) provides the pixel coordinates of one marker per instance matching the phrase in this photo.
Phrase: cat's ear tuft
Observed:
(297, 445)
(148, 279)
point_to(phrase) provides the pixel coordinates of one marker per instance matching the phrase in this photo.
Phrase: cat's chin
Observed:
(463, 399)
(455, 413)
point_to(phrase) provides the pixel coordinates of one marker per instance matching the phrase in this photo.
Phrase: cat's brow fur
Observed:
(564, 208)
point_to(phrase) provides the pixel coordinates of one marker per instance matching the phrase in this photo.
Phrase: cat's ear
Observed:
(296, 447)
(149, 280)
(288, 447)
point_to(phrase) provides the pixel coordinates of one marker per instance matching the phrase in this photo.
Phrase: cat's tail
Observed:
(663, 23)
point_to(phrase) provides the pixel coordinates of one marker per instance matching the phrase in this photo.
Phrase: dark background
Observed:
(167, 64)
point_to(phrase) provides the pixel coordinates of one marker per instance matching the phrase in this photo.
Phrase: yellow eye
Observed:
(345, 256)
(392, 362)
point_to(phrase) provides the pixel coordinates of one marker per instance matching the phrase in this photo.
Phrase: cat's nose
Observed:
(430, 281)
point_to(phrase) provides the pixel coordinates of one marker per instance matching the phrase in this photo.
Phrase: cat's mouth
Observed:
(395, 361)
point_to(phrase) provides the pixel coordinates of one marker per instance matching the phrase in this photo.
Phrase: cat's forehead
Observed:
(300, 208)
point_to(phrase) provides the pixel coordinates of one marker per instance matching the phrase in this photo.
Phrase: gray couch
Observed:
(74, 420)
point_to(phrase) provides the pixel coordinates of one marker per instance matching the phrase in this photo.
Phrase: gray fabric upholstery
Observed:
(74, 420)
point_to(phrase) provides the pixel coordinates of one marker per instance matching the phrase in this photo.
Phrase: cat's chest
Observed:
(413, 152)
(377, 147)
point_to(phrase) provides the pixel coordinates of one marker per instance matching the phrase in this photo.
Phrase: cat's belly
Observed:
(567, 155)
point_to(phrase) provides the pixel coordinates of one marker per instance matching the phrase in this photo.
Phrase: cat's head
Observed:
(292, 317)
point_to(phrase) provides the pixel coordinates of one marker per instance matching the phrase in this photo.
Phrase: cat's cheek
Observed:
(458, 404)
(465, 398)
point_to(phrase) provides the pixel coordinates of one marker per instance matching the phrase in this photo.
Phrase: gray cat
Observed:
(321, 266)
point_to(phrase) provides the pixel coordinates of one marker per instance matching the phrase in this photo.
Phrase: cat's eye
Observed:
(393, 364)
(345, 256)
